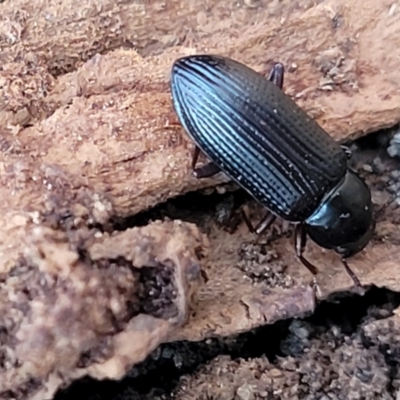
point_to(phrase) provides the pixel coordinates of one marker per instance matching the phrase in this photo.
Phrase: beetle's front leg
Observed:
(300, 240)
(352, 275)
(206, 171)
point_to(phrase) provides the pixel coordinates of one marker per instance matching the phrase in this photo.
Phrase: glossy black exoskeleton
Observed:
(261, 139)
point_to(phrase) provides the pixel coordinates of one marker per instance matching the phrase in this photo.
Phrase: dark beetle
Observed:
(263, 141)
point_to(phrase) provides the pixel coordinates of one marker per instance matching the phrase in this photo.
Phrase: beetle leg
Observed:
(379, 213)
(265, 223)
(195, 157)
(206, 171)
(300, 240)
(346, 150)
(262, 226)
(300, 244)
(352, 275)
(247, 221)
(276, 75)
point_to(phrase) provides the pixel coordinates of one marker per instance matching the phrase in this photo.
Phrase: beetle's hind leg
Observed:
(206, 171)
(276, 75)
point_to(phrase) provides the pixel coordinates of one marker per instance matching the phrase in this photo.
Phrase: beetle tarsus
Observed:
(276, 75)
(352, 275)
(206, 171)
(347, 151)
(316, 288)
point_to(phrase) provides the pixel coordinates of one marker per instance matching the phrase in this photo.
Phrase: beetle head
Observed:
(344, 220)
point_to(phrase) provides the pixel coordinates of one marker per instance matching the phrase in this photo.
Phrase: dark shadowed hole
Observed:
(159, 374)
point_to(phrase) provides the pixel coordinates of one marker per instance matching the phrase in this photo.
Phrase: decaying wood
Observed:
(341, 60)
(24, 86)
(104, 144)
(80, 304)
(64, 34)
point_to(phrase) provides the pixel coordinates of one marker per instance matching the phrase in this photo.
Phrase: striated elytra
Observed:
(261, 139)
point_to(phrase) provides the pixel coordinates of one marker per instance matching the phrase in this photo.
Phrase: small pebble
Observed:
(394, 146)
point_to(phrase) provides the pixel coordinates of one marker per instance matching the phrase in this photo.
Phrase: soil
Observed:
(347, 349)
